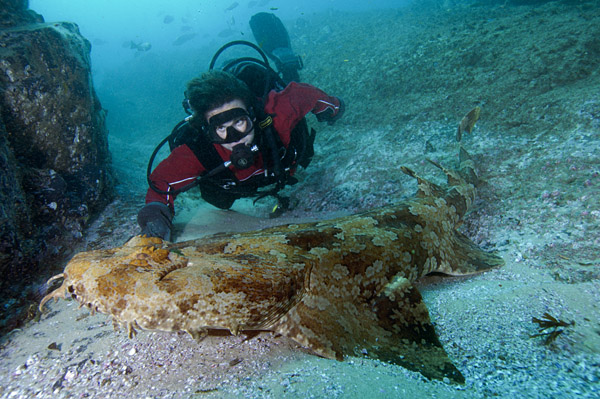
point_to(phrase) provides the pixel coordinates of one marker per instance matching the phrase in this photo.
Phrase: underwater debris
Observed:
(468, 122)
(54, 346)
(548, 321)
(33, 312)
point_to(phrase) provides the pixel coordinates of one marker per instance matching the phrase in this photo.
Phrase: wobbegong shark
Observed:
(340, 287)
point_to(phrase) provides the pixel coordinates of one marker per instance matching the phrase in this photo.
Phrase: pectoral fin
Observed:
(413, 342)
(394, 327)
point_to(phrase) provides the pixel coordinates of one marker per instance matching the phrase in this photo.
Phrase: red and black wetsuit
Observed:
(287, 108)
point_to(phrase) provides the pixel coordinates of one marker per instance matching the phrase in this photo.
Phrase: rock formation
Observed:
(54, 160)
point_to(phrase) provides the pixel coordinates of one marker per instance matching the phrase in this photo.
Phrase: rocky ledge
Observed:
(54, 161)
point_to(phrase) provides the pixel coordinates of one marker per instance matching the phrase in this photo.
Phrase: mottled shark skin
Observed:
(338, 287)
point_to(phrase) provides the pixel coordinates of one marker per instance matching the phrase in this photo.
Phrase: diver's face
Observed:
(241, 124)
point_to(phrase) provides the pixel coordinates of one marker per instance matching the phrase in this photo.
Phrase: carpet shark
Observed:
(340, 287)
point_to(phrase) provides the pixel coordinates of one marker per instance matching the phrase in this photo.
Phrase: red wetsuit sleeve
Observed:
(291, 104)
(179, 169)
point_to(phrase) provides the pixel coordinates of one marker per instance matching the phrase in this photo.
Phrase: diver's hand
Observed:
(155, 220)
(331, 115)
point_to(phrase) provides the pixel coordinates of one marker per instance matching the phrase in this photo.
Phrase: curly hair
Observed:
(215, 88)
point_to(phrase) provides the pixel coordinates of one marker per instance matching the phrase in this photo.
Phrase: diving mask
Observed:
(229, 126)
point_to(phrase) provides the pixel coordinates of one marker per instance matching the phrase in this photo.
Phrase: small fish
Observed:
(274, 8)
(232, 6)
(467, 122)
(183, 38)
(226, 32)
(143, 46)
(168, 19)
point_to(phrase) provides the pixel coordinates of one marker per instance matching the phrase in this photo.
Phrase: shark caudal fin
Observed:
(394, 326)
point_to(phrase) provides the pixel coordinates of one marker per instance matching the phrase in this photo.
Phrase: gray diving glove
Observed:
(155, 220)
(329, 116)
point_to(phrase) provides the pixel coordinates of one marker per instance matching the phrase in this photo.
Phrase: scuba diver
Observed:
(246, 131)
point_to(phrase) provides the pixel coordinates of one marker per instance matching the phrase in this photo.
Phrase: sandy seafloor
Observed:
(538, 206)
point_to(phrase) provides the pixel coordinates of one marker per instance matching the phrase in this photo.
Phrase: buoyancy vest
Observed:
(299, 152)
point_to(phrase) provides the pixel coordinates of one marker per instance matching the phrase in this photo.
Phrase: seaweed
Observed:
(177, 251)
(546, 322)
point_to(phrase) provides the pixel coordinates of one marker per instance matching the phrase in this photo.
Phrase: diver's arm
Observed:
(179, 169)
(298, 99)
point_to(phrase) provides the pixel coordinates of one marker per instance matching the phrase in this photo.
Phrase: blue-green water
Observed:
(143, 90)
(408, 75)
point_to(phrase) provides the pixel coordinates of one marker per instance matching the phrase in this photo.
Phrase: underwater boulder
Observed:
(16, 12)
(56, 170)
